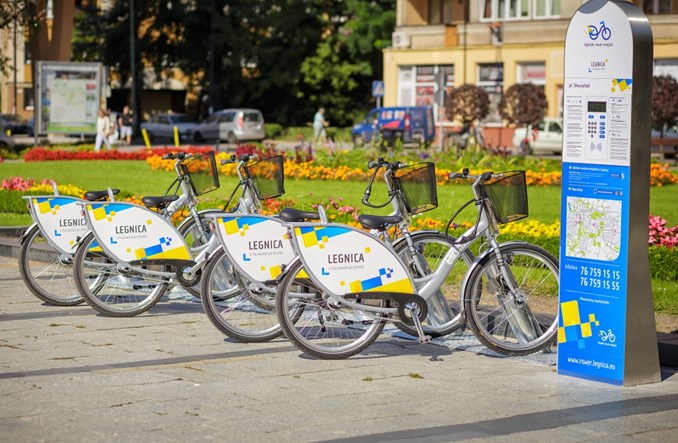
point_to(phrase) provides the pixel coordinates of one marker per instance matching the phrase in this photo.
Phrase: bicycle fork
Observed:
(513, 301)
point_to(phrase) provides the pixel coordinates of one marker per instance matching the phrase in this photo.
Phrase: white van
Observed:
(232, 126)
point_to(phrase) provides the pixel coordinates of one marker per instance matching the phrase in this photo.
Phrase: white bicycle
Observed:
(349, 284)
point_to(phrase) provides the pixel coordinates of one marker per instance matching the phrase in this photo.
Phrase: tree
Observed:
(348, 57)
(88, 34)
(664, 102)
(523, 104)
(467, 104)
(22, 14)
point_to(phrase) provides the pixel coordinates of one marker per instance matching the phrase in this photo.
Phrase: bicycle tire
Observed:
(508, 326)
(109, 290)
(46, 272)
(433, 246)
(350, 330)
(234, 313)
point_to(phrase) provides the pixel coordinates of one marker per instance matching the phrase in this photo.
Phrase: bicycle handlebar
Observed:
(483, 177)
(230, 160)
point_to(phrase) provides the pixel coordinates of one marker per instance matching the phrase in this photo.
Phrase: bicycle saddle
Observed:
(379, 222)
(295, 215)
(94, 196)
(160, 202)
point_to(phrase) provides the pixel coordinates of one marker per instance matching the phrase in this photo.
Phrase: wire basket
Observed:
(508, 196)
(418, 186)
(268, 177)
(201, 170)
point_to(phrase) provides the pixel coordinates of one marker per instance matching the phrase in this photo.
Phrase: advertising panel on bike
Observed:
(346, 260)
(129, 232)
(257, 245)
(598, 92)
(60, 220)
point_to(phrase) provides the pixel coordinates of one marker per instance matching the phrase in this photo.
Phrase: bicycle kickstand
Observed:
(423, 338)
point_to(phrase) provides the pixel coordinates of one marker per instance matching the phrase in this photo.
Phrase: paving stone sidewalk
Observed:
(68, 375)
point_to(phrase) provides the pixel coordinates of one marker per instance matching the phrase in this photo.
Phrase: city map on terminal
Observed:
(593, 228)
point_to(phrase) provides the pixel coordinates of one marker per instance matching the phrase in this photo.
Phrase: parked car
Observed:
(231, 125)
(406, 123)
(544, 138)
(162, 126)
(667, 150)
(12, 122)
(7, 142)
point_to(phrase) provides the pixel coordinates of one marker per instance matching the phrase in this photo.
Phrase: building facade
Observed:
(495, 44)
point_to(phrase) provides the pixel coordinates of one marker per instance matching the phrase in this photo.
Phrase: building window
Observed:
(493, 10)
(666, 66)
(440, 12)
(532, 72)
(29, 103)
(657, 6)
(500, 10)
(417, 87)
(546, 8)
(491, 79)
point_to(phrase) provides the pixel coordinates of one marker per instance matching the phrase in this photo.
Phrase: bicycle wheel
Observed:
(520, 323)
(110, 290)
(47, 273)
(445, 306)
(326, 328)
(234, 313)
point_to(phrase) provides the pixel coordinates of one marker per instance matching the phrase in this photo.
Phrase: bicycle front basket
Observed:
(268, 177)
(201, 171)
(418, 186)
(508, 196)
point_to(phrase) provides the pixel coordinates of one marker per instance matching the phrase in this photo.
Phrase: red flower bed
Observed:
(44, 154)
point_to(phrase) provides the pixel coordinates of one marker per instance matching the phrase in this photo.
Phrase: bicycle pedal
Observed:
(425, 339)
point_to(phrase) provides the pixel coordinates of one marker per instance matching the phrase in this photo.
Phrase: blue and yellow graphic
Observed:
(318, 236)
(622, 84)
(239, 225)
(381, 283)
(51, 204)
(102, 211)
(573, 329)
(161, 250)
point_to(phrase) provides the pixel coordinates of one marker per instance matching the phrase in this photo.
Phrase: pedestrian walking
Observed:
(125, 122)
(319, 124)
(103, 130)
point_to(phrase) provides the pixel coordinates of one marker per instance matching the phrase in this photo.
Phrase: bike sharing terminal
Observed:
(606, 328)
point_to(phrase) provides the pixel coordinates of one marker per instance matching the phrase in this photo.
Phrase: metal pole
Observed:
(210, 109)
(133, 69)
(16, 24)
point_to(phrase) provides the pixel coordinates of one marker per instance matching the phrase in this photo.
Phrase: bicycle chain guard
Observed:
(398, 297)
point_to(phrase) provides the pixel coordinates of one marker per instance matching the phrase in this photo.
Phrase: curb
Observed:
(10, 237)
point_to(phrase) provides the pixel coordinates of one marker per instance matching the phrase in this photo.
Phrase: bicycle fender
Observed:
(286, 268)
(24, 236)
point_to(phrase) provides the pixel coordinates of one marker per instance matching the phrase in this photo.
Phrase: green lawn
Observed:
(137, 178)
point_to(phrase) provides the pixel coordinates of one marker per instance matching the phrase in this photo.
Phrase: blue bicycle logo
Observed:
(602, 31)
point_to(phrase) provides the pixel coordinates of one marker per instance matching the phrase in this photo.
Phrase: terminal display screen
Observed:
(597, 106)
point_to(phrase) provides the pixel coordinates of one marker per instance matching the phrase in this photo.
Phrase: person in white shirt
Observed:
(103, 130)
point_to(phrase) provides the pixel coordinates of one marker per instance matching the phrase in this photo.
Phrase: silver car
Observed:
(162, 126)
(231, 125)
